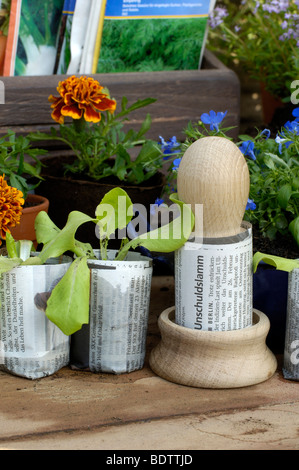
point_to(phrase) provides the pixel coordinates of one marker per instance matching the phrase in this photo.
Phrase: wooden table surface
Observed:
(73, 410)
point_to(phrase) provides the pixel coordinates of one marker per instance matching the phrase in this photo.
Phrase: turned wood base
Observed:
(213, 359)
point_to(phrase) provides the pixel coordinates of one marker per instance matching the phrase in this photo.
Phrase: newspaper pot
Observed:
(270, 294)
(213, 359)
(213, 283)
(68, 193)
(25, 230)
(114, 341)
(31, 345)
(291, 348)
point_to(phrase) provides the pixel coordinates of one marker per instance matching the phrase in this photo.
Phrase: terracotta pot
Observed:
(25, 230)
(270, 104)
(3, 40)
(67, 193)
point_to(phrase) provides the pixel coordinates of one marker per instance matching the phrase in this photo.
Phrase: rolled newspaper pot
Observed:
(114, 341)
(291, 348)
(213, 283)
(32, 346)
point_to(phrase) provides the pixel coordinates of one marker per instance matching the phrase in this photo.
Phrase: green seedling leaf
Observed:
(24, 248)
(32, 261)
(11, 246)
(169, 237)
(56, 241)
(7, 264)
(114, 212)
(68, 304)
(282, 264)
(45, 229)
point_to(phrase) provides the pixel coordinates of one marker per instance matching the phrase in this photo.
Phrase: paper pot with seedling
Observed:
(82, 292)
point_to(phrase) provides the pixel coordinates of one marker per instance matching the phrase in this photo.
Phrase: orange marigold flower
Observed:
(11, 202)
(80, 97)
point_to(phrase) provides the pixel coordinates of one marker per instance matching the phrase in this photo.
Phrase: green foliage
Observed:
(68, 305)
(151, 45)
(197, 130)
(13, 152)
(283, 264)
(103, 149)
(274, 184)
(4, 16)
(262, 37)
(274, 172)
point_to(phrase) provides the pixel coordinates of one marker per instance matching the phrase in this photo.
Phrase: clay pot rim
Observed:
(79, 182)
(43, 203)
(260, 327)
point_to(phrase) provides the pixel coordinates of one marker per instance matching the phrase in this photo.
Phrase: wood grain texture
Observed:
(81, 410)
(213, 172)
(213, 359)
(182, 96)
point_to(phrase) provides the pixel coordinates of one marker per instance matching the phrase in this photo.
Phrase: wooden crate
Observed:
(182, 96)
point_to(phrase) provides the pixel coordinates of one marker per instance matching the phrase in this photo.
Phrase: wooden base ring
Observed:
(213, 359)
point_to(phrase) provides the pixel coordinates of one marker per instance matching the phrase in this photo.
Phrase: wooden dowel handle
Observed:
(213, 172)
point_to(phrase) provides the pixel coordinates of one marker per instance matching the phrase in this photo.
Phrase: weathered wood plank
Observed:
(105, 409)
(182, 96)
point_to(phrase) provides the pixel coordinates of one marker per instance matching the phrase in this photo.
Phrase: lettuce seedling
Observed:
(68, 304)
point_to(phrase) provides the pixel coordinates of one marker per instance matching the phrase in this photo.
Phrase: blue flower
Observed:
(171, 146)
(267, 133)
(159, 201)
(216, 16)
(279, 140)
(291, 127)
(250, 205)
(247, 148)
(295, 113)
(176, 164)
(213, 119)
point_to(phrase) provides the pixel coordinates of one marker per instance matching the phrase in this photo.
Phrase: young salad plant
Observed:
(68, 304)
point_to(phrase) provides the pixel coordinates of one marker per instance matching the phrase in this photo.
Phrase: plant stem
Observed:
(79, 125)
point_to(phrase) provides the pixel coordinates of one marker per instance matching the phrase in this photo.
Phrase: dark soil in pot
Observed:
(68, 192)
(284, 245)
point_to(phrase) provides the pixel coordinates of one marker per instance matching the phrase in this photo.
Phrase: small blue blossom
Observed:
(169, 147)
(247, 148)
(217, 16)
(291, 127)
(295, 113)
(250, 205)
(176, 164)
(213, 119)
(280, 140)
(158, 203)
(267, 133)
